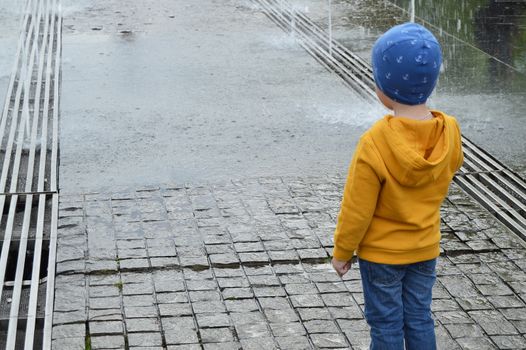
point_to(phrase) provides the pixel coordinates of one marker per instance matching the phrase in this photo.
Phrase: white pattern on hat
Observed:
(408, 80)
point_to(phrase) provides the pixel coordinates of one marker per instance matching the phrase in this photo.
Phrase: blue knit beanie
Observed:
(406, 63)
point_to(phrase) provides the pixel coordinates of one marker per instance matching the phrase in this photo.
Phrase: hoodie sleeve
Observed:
(359, 201)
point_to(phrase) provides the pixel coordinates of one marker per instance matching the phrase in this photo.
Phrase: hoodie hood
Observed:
(415, 152)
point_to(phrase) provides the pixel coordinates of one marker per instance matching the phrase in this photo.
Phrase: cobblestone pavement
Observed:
(244, 264)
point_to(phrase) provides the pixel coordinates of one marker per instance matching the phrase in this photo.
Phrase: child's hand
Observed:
(341, 267)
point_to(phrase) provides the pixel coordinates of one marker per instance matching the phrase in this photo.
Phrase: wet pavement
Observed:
(148, 98)
(10, 15)
(244, 264)
(159, 91)
(202, 161)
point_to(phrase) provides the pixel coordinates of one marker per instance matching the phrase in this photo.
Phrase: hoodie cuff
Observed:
(342, 254)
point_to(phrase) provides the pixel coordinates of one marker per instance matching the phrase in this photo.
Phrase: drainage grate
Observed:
(12, 258)
(27, 282)
(20, 341)
(28, 181)
(496, 187)
(488, 181)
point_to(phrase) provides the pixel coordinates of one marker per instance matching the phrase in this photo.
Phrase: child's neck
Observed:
(418, 112)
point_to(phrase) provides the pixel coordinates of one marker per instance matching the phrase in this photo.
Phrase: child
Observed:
(399, 176)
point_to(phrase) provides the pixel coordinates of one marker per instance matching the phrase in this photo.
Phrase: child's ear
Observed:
(386, 101)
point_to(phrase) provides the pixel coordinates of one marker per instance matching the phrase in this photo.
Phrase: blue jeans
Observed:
(398, 304)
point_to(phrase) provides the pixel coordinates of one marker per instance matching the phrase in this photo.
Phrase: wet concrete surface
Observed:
(161, 92)
(10, 14)
(147, 98)
(486, 94)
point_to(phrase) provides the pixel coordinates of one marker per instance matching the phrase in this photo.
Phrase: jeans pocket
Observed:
(428, 267)
(383, 274)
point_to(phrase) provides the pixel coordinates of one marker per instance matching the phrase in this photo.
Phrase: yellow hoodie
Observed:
(398, 178)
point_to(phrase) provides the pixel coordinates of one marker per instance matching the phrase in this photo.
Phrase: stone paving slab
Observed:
(245, 264)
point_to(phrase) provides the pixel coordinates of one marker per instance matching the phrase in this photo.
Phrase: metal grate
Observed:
(491, 183)
(28, 181)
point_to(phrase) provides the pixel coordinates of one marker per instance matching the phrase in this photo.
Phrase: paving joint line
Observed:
(195, 268)
(154, 294)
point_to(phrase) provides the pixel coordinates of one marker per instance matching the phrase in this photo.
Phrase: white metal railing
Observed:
(29, 142)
